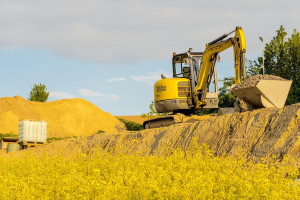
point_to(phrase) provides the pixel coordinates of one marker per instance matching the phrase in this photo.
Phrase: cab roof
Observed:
(190, 53)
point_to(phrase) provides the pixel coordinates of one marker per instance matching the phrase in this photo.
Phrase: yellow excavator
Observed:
(193, 73)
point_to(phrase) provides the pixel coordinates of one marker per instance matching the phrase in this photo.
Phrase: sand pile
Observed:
(258, 133)
(68, 117)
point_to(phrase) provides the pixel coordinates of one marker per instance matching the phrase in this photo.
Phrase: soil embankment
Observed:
(65, 118)
(258, 134)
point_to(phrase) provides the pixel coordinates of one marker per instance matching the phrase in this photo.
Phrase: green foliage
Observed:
(131, 126)
(206, 111)
(100, 131)
(282, 58)
(153, 113)
(2, 135)
(52, 139)
(254, 67)
(226, 99)
(38, 93)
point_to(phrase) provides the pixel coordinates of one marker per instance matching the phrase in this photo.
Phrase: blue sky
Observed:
(111, 52)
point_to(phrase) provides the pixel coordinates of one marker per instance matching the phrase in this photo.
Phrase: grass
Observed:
(131, 126)
(100, 131)
(2, 135)
(52, 139)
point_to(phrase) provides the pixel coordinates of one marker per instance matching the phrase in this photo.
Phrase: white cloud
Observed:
(89, 93)
(61, 95)
(150, 78)
(116, 79)
(103, 97)
(114, 97)
(129, 31)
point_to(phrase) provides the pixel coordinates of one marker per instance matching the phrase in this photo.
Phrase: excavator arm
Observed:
(209, 58)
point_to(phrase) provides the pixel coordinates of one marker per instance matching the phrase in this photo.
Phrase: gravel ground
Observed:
(253, 80)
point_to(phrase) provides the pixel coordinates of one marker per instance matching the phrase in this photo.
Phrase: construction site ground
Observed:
(257, 134)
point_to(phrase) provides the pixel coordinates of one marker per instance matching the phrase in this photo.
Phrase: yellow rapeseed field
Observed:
(196, 174)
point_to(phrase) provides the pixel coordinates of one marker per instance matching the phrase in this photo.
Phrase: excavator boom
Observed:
(209, 58)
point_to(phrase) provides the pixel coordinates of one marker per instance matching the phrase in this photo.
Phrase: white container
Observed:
(32, 131)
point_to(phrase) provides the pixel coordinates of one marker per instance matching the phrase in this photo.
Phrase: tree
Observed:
(153, 113)
(254, 67)
(226, 98)
(38, 93)
(282, 58)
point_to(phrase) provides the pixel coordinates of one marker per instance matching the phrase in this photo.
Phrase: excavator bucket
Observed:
(263, 91)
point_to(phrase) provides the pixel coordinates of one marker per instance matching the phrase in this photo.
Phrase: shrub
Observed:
(131, 126)
(100, 131)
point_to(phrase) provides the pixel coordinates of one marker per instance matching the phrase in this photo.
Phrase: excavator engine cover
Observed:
(172, 94)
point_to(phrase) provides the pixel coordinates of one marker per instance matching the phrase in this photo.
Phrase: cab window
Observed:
(180, 65)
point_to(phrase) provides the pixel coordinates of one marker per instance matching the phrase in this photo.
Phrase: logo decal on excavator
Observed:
(216, 47)
(160, 88)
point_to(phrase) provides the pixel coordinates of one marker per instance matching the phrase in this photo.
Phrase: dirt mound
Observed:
(259, 133)
(68, 117)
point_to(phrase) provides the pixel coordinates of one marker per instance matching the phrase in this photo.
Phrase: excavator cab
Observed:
(176, 94)
(187, 65)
